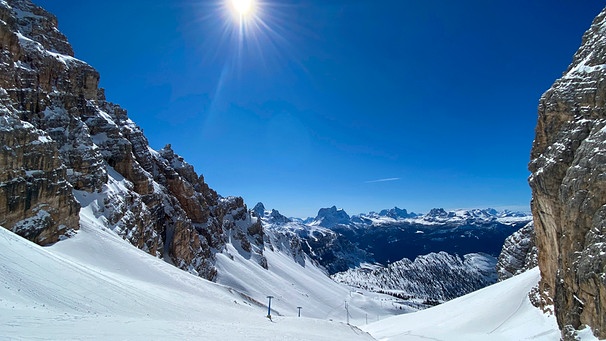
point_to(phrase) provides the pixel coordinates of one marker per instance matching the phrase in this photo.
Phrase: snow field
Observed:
(95, 286)
(499, 312)
(293, 285)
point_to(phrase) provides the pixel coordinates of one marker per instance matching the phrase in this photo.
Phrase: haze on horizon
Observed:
(365, 105)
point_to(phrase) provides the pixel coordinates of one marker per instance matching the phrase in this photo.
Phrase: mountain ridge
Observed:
(427, 280)
(375, 237)
(63, 135)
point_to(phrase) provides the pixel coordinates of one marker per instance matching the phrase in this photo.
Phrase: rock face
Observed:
(519, 253)
(569, 187)
(64, 145)
(35, 199)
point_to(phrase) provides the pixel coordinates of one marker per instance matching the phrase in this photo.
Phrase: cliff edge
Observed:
(568, 181)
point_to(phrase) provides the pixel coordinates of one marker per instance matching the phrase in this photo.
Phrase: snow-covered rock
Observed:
(428, 280)
(397, 213)
(519, 253)
(61, 134)
(331, 217)
(568, 163)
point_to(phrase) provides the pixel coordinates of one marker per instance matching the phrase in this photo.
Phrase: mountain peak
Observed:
(397, 213)
(259, 210)
(330, 217)
(438, 213)
(276, 217)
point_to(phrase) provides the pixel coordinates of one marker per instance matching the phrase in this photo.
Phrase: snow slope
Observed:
(97, 286)
(293, 284)
(500, 312)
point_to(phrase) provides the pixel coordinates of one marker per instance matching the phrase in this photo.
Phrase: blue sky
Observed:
(361, 104)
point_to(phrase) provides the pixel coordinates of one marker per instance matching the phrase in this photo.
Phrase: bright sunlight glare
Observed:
(242, 7)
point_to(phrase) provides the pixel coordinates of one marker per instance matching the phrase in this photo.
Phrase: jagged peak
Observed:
(396, 213)
(438, 212)
(330, 217)
(35, 23)
(259, 210)
(277, 217)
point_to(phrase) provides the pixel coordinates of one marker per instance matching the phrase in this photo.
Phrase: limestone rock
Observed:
(63, 141)
(36, 201)
(568, 182)
(519, 253)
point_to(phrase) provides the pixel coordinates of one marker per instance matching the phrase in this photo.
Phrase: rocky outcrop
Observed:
(65, 144)
(36, 201)
(519, 253)
(569, 187)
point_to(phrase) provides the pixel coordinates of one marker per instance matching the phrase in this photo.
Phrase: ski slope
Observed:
(499, 312)
(95, 286)
(294, 285)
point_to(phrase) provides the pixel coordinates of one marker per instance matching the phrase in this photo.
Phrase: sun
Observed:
(242, 8)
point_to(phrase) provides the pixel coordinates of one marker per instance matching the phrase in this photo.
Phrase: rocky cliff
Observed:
(64, 145)
(568, 165)
(519, 253)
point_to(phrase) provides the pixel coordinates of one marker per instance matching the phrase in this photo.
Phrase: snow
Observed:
(294, 285)
(42, 139)
(586, 334)
(456, 216)
(100, 139)
(28, 43)
(96, 286)
(500, 312)
(583, 68)
(65, 59)
(31, 44)
(513, 220)
(34, 172)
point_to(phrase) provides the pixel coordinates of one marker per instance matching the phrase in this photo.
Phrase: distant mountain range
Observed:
(426, 281)
(425, 259)
(339, 241)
